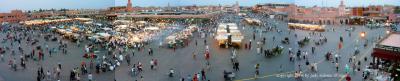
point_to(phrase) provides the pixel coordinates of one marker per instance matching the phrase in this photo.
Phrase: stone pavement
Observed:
(184, 64)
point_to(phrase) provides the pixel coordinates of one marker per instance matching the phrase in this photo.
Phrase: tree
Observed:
(397, 10)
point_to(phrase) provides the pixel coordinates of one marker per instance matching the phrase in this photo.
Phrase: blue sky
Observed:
(7, 5)
(197, 2)
(351, 3)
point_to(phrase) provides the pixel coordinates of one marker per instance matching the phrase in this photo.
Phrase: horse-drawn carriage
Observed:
(304, 41)
(274, 51)
(321, 41)
(175, 41)
(285, 41)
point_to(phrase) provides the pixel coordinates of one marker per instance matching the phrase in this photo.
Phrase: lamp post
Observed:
(362, 34)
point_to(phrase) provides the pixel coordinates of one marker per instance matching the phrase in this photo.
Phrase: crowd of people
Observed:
(19, 38)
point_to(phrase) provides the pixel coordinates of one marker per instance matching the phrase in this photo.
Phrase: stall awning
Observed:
(385, 54)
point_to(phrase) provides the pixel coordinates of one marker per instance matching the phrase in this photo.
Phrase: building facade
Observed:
(320, 15)
(14, 16)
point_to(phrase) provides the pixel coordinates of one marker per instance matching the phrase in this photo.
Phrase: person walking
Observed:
(90, 77)
(48, 75)
(236, 66)
(2, 57)
(128, 59)
(152, 64)
(257, 72)
(149, 51)
(337, 67)
(203, 74)
(133, 52)
(194, 55)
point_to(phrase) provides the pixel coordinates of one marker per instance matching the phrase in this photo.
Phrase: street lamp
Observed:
(362, 34)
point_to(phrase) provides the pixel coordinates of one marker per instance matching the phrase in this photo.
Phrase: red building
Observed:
(121, 9)
(14, 16)
(370, 11)
(38, 15)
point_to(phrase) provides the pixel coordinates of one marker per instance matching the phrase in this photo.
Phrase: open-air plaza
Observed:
(229, 41)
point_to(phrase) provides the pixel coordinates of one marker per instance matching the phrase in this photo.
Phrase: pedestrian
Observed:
(2, 57)
(299, 66)
(207, 55)
(236, 66)
(189, 78)
(195, 42)
(128, 59)
(182, 79)
(203, 74)
(245, 46)
(249, 45)
(140, 67)
(313, 49)
(59, 65)
(49, 52)
(208, 66)
(152, 64)
(121, 58)
(348, 78)
(171, 72)
(78, 77)
(205, 42)
(14, 66)
(150, 51)
(23, 63)
(254, 36)
(33, 53)
(194, 55)
(133, 52)
(48, 75)
(90, 77)
(257, 72)
(155, 62)
(195, 78)
(38, 78)
(40, 55)
(337, 66)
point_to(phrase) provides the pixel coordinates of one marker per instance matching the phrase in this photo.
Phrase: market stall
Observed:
(311, 27)
(252, 21)
(180, 39)
(228, 34)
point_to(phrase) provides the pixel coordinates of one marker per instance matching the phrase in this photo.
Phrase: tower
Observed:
(129, 6)
(237, 7)
(342, 8)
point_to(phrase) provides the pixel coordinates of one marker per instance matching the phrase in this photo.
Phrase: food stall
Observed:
(83, 19)
(228, 34)
(44, 21)
(236, 38)
(311, 27)
(252, 21)
(151, 29)
(180, 38)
